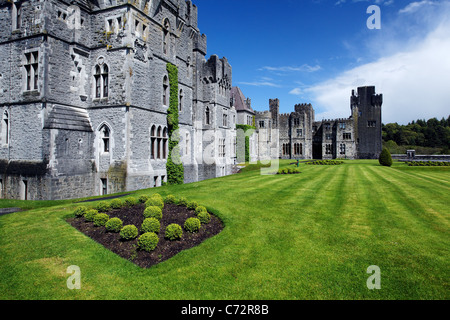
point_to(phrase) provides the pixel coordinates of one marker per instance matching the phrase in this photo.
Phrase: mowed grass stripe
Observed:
(427, 179)
(419, 203)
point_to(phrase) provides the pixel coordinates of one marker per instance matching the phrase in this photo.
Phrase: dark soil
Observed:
(165, 249)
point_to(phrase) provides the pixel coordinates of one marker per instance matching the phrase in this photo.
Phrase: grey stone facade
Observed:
(84, 97)
(297, 135)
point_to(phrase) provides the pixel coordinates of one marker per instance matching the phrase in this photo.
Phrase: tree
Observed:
(385, 158)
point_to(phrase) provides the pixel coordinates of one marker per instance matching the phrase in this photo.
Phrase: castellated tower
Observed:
(274, 108)
(366, 114)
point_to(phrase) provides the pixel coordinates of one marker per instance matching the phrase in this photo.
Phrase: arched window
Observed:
(165, 91)
(165, 140)
(159, 142)
(207, 116)
(5, 128)
(152, 142)
(105, 135)
(101, 79)
(166, 36)
(98, 87)
(181, 100)
(105, 74)
(298, 149)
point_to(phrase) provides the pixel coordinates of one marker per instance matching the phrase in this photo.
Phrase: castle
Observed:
(85, 92)
(298, 135)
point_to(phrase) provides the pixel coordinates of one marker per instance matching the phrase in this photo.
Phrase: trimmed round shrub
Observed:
(148, 241)
(170, 199)
(80, 211)
(385, 158)
(100, 219)
(114, 225)
(155, 202)
(192, 205)
(200, 209)
(143, 198)
(173, 232)
(157, 196)
(192, 225)
(150, 225)
(116, 204)
(129, 232)
(130, 201)
(153, 212)
(90, 215)
(182, 201)
(204, 217)
(102, 206)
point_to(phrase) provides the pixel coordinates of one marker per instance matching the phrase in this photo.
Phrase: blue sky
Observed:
(317, 51)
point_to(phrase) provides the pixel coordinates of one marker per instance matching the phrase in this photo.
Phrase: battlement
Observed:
(200, 44)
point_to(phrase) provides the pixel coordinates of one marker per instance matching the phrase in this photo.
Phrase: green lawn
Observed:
(305, 236)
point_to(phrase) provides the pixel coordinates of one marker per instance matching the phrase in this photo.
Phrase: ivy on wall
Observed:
(174, 167)
(244, 129)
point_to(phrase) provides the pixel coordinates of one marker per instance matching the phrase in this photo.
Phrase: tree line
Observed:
(433, 133)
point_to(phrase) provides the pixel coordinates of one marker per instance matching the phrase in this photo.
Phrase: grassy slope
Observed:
(306, 236)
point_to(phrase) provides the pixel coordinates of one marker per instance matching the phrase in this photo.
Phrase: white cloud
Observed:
(415, 83)
(303, 68)
(296, 91)
(260, 84)
(414, 6)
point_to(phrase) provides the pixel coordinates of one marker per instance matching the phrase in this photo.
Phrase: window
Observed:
(31, 68)
(371, 124)
(166, 36)
(328, 136)
(165, 141)
(16, 16)
(224, 119)
(341, 125)
(181, 100)
(222, 148)
(298, 149)
(24, 190)
(165, 91)
(207, 116)
(101, 79)
(299, 132)
(5, 128)
(347, 136)
(158, 143)
(342, 149)
(105, 136)
(328, 149)
(104, 186)
(327, 126)
(261, 124)
(152, 142)
(286, 149)
(296, 122)
(187, 144)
